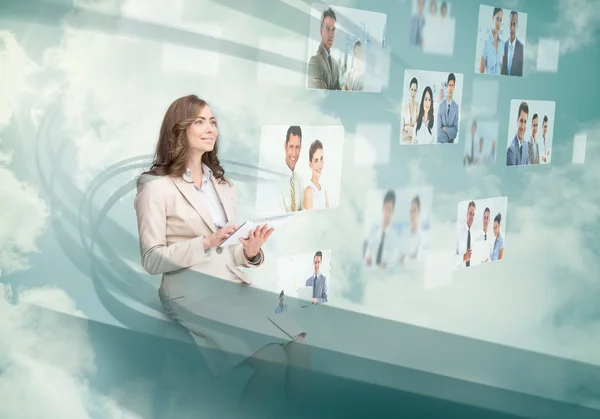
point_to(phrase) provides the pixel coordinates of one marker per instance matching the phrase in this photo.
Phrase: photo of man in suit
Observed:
(318, 281)
(417, 24)
(545, 145)
(532, 144)
(380, 245)
(292, 188)
(512, 61)
(323, 71)
(486, 234)
(447, 118)
(464, 245)
(517, 153)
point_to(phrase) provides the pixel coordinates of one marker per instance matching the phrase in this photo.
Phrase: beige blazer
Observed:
(172, 222)
(320, 74)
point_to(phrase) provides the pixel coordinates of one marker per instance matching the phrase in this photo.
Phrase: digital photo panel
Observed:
(530, 132)
(431, 107)
(397, 224)
(579, 146)
(501, 41)
(304, 166)
(346, 49)
(305, 277)
(480, 231)
(372, 144)
(548, 55)
(481, 141)
(432, 26)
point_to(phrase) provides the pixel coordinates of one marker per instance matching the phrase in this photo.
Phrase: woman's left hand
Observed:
(256, 238)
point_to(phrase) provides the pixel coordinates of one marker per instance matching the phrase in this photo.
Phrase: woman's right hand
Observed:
(215, 239)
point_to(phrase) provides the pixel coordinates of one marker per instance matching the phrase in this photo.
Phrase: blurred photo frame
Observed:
(346, 49)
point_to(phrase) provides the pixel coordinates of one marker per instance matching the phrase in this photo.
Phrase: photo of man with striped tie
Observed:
(292, 187)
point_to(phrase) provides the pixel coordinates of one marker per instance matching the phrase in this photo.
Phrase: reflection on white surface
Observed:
(438, 36)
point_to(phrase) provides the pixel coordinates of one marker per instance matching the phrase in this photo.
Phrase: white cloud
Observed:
(548, 55)
(531, 58)
(15, 68)
(23, 212)
(24, 216)
(48, 366)
(548, 266)
(43, 361)
(577, 24)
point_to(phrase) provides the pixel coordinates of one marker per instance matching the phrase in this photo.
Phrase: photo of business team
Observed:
(345, 49)
(501, 41)
(480, 143)
(480, 231)
(530, 132)
(432, 27)
(304, 276)
(305, 165)
(430, 107)
(396, 227)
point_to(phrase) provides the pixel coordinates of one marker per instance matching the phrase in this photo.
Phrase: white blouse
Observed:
(209, 192)
(422, 136)
(319, 196)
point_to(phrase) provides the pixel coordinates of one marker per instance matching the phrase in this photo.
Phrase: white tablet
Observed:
(244, 229)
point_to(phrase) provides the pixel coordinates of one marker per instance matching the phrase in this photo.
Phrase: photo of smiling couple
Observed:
(305, 165)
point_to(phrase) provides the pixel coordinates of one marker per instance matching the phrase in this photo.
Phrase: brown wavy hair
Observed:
(315, 145)
(172, 149)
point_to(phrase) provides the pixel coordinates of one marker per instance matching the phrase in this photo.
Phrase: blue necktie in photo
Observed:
(510, 58)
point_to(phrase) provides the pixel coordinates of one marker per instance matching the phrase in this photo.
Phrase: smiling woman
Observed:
(185, 209)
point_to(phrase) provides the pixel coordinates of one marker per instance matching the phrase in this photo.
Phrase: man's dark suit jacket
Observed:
(517, 63)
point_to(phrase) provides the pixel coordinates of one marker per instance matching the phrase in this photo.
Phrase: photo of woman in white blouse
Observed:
(410, 113)
(315, 194)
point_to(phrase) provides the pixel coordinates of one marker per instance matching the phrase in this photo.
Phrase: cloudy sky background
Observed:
(94, 88)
